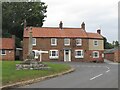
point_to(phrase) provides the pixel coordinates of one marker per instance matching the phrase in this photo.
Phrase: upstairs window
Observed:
(53, 41)
(78, 42)
(34, 41)
(95, 54)
(2, 52)
(95, 43)
(67, 42)
(53, 54)
(79, 54)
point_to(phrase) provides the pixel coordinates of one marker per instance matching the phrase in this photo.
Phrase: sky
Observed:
(97, 14)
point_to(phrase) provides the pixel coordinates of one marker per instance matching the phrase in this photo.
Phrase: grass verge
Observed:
(11, 75)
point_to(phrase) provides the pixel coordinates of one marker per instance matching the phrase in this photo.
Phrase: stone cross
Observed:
(30, 54)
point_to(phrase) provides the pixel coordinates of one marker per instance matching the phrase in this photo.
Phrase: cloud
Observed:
(95, 13)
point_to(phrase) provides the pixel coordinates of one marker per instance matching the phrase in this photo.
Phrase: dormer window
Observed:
(78, 42)
(67, 42)
(53, 41)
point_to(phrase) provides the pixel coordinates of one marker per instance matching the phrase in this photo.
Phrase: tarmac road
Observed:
(86, 75)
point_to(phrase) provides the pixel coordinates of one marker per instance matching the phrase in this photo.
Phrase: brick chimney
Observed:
(61, 25)
(99, 31)
(83, 25)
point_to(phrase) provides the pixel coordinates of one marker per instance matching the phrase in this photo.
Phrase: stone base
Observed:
(31, 65)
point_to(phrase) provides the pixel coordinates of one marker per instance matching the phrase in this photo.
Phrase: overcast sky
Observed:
(96, 14)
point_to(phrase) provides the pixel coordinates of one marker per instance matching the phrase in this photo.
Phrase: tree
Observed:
(107, 45)
(116, 44)
(14, 14)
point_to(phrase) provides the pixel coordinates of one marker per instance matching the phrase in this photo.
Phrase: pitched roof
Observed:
(7, 43)
(94, 35)
(56, 32)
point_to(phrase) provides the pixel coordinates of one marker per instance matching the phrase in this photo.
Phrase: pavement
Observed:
(86, 75)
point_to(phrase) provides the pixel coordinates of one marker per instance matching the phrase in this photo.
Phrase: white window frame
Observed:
(82, 54)
(2, 51)
(67, 44)
(95, 44)
(80, 42)
(34, 44)
(54, 57)
(94, 54)
(55, 44)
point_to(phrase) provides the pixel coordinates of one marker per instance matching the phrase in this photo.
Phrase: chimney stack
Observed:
(99, 31)
(83, 26)
(61, 25)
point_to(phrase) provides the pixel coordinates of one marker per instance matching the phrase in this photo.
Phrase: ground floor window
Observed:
(2, 52)
(54, 54)
(95, 54)
(79, 54)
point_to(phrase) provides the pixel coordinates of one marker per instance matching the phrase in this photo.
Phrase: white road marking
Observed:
(107, 71)
(107, 67)
(96, 76)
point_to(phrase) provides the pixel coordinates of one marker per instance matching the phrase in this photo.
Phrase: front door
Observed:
(67, 55)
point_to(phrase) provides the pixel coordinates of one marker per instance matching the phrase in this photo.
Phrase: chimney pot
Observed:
(83, 26)
(61, 25)
(99, 31)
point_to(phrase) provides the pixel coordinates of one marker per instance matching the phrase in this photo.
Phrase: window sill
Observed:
(95, 57)
(53, 57)
(3, 54)
(53, 45)
(33, 44)
(67, 45)
(79, 57)
(78, 45)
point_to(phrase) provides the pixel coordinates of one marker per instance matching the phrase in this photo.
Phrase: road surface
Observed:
(86, 75)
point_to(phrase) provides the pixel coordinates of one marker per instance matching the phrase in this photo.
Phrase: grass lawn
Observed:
(11, 75)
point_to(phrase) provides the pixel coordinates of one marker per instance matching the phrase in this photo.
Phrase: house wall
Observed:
(45, 44)
(99, 47)
(10, 55)
(99, 59)
(117, 56)
(109, 56)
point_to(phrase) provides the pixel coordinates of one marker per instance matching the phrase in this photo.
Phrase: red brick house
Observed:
(7, 50)
(65, 44)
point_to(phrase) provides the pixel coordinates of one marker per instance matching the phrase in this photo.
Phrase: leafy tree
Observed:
(107, 45)
(116, 44)
(14, 14)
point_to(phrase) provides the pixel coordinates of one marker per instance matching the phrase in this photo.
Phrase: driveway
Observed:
(87, 75)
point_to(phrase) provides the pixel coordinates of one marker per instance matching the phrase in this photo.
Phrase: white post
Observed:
(40, 57)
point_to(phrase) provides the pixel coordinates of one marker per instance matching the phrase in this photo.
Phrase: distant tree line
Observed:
(108, 45)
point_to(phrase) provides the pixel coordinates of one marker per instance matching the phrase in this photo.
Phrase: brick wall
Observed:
(109, 56)
(45, 44)
(10, 55)
(117, 56)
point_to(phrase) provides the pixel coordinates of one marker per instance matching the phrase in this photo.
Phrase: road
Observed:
(86, 75)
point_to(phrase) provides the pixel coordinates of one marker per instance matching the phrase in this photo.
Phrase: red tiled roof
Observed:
(56, 32)
(94, 35)
(7, 43)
